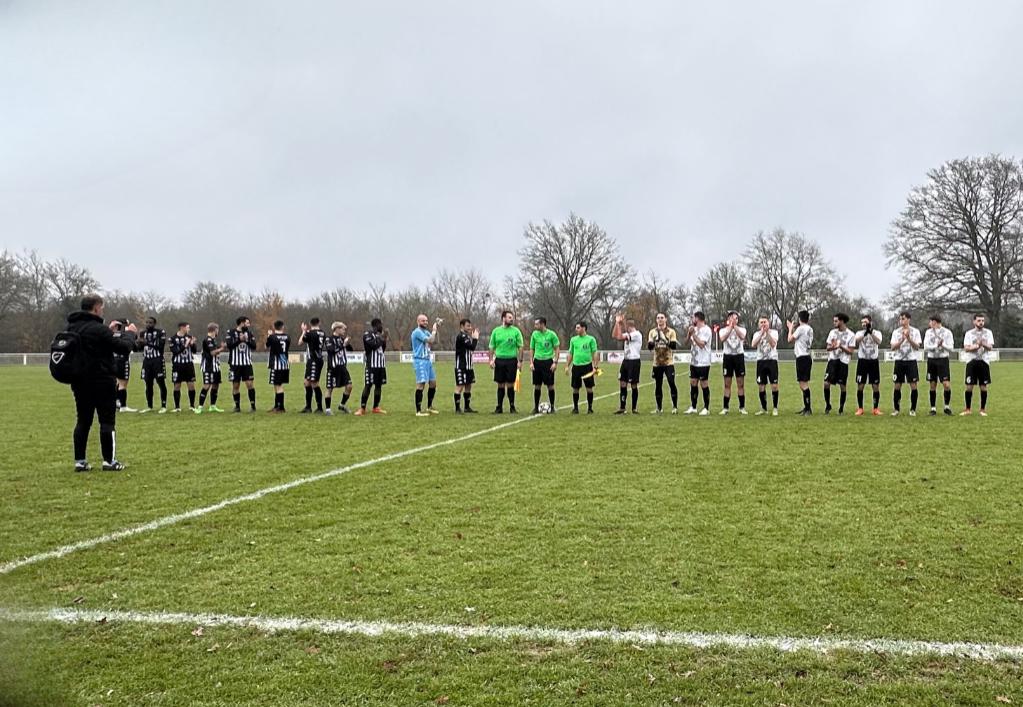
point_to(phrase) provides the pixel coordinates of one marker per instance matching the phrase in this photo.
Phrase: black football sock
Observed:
(500, 397)
(419, 399)
(122, 397)
(458, 401)
(763, 400)
(149, 394)
(308, 398)
(279, 401)
(252, 398)
(969, 399)
(635, 398)
(933, 395)
(674, 392)
(694, 395)
(191, 397)
(877, 399)
(841, 400)
(177, 399)
(365, 395)
(859, 399)
(742, 402)
(774, 399)
(983, 400)
(378, 392)
(550, 397)
(896, 399)
(318, 394)
(163, 392)
(914, 396)
(575, 400)
(327, 401)
(237, 399)
(623, 396)
(465, 399)
(658, 396)
(706, 398)
(806, 399)
(344, 398)
(430, 393)
(726, 401)
(827, 398)
(213, 396)
(536, 398)
(589, 398)
(948, 398)
(202, 397)
(511, 397)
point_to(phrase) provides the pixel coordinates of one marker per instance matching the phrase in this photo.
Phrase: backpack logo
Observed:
(57, 357)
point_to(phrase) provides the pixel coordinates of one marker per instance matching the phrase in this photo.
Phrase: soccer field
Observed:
(469, 560)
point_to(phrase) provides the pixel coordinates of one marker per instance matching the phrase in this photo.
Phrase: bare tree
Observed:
(462, 293)
(69, 282)
(211, 302)
(788, 272)
(567, 270)
(654, 295)
(958, 243)
(722, 288)
(11, 285)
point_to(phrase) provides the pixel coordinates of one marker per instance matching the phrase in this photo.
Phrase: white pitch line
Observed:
(784, 644)
(65, 550)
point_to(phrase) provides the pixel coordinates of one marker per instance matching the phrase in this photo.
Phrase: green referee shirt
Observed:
(505, 341)
(543, 344)
(582, 348)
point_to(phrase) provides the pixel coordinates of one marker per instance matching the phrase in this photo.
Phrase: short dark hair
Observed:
(506, 311)
(181, 324)
(90, 301)
(376, 322)
(936, 318)
(803, 315)
(700, 315)
(582, 324)
(241, 319)
(980, 314)
(542, 320)
(905, 313)
(278, 324)
(842, 317)
(463, 321)
(150, 320)
(867, 317)
(212, 326)
(314, 321)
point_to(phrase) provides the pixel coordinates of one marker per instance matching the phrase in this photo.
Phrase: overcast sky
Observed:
(312, 145)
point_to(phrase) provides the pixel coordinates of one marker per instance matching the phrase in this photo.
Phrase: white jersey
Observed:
(938, 343)
(766, 351)
(869, 346)
(732, 339)
(975, 336)
(844, 338)
(633, 345)
(906, 352)
(804, 340)
(701, 354)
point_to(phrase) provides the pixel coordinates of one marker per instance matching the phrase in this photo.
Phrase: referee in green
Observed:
(505, 350)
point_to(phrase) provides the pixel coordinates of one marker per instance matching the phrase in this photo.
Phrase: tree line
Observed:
(957, 245)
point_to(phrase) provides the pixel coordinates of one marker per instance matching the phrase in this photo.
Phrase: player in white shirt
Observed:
(905, 342)
(841, 343)
(628, 374)
(700, 338)
(801, 338)
(977, 342)
(765, 341)
(938, 344)
(733, 364)
(868, 365)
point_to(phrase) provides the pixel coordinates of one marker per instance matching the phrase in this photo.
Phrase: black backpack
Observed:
(66, 358)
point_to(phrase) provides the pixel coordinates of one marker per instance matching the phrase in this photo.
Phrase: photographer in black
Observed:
(96, 390)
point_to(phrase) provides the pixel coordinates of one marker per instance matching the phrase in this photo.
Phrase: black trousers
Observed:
(95, 397)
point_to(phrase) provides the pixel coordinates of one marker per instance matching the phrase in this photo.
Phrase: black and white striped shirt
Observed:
(182, 348)
(210, 362)
(464, 346)
(239, 349)
(277, 346)
(338, 349)
(314, 340)
(153, 342)
(375, 345)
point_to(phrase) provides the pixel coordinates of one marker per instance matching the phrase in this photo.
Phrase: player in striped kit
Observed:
(277, 346)
(765, 341)
(152, 342)
(183, 351)
(840, 344)
(122, 368)
(938, 344)
(628, 374)
(210, 366)
(465, 344)
(732, 336)
(868, 367)
(240, 343)
(374, 341)
(314, 339)
(905, 342)
(977, 343)
(338, 346)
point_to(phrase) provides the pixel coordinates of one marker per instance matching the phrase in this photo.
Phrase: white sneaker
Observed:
(145, 410)
(704, 412)
(774, 413)
(895, 413)
(758, 413)
(690, 411)
(674, 411)
(655, 412)
(161, 411)
(742, 411)
(128, 409)
(912, 413)
(983, 413)
(724, 411)
(174, 410)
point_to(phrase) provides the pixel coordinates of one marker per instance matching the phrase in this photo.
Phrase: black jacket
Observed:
(99, 344)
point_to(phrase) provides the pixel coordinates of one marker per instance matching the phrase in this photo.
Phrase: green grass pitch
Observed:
(836, 527)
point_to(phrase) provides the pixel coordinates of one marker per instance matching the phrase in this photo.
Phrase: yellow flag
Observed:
(518, 381)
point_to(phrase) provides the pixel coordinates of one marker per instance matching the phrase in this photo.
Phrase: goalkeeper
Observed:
(663, 341)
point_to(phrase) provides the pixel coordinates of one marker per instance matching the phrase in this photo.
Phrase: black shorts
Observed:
(122, 366)
(734, 365)
(543, 372)
(279, 376)
(505, 370)
(659, 372)
(338, 377)
(211, 377)
(240, 373)
(978, 373)
(153, 369)
(700, 373)
(183, 373)
(868, 371)
(906, 372)
(577, 376)
(313, 370)
(465, 376)
(937, 370)
(767, 372)
(376, 376)
(629, 372)
(804, 366)
(837, 372)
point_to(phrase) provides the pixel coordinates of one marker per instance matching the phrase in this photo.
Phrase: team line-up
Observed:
(330, 352)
